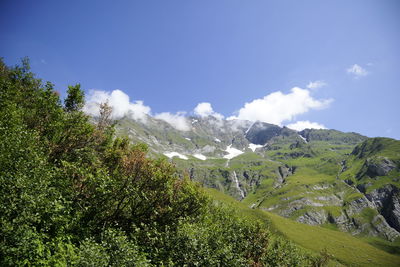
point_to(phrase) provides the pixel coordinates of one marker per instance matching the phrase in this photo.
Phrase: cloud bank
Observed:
(275, 108)
(301, 125)
(278, 107)
(205, 109)
(120, 103)
(122, 106)
(178, 120)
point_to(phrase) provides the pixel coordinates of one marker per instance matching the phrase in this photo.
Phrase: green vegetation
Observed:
(342, 247)
(72, 194)
(362, 166)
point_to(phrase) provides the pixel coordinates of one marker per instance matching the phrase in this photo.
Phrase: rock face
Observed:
(260, 132)
(387, 201)
(283, 172)
(382, 227)
(357, 206)
(379, 167)
(313, 217)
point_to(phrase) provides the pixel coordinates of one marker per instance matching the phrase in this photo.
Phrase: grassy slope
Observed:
(321, 168)
(375, 148)
(345, 248)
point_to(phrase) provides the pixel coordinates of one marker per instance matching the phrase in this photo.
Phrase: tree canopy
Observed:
(72, 193)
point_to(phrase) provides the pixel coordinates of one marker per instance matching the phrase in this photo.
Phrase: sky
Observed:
(332, 64)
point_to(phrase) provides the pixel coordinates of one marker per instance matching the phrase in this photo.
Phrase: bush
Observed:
(71, 193)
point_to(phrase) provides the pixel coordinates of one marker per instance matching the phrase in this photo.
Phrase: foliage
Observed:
(75, 98)
(71, 193)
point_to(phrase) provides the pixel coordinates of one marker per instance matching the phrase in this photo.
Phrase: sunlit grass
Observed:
(343, 247)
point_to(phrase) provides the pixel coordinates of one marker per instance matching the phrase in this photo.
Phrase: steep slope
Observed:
(207, 136)
(342, 247)
(373, 168)
(305, 176)
(316, 194)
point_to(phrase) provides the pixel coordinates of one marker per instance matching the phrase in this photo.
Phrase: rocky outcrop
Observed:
(380, 166)
(314, 217)
(287, 209)
(284, 171)
(260, 132)
(356, 206)
(387, 201)
(383, 228)
(356, 217)
(344, 223)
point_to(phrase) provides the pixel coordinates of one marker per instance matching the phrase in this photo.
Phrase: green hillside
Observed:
(343, 248)
(373, 164)
(318, 182)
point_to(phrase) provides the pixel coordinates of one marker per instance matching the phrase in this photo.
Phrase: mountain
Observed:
(338, 180)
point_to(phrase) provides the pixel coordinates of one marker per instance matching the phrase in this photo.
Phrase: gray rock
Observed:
(298, 204)
(207, 149)
(282, 172)
(330, 200)
(387, 201)
(344, 223)
(356, 206)
(313, 217)
(382, 227)
(379, 166)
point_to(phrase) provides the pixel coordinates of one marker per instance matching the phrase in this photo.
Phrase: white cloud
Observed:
(316, 84)
(357, 71)
(120, 103)
(278, 107)
(301, 125)
(205, 109)
(178, 120)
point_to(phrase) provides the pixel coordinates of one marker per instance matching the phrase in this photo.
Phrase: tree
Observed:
(75, 99)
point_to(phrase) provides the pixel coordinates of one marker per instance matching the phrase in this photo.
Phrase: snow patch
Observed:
(175, 154)
(194, 121)
(248, 129)
(232, 152)
(200, 156)
(253, 147)
(305, 140)
(188, 139)
(217, 140)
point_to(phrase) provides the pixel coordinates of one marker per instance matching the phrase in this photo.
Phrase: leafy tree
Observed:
(73, 194)
(75, 98)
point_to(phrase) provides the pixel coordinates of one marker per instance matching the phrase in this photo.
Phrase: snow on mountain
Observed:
(176, 154)
(200, 156)
(253, 147)
(232, 152)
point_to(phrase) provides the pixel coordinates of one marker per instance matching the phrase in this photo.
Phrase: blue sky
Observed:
(173, 55)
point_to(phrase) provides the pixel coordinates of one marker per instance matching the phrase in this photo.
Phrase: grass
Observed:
(390, 247)
(374, 149)
(346, 249)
